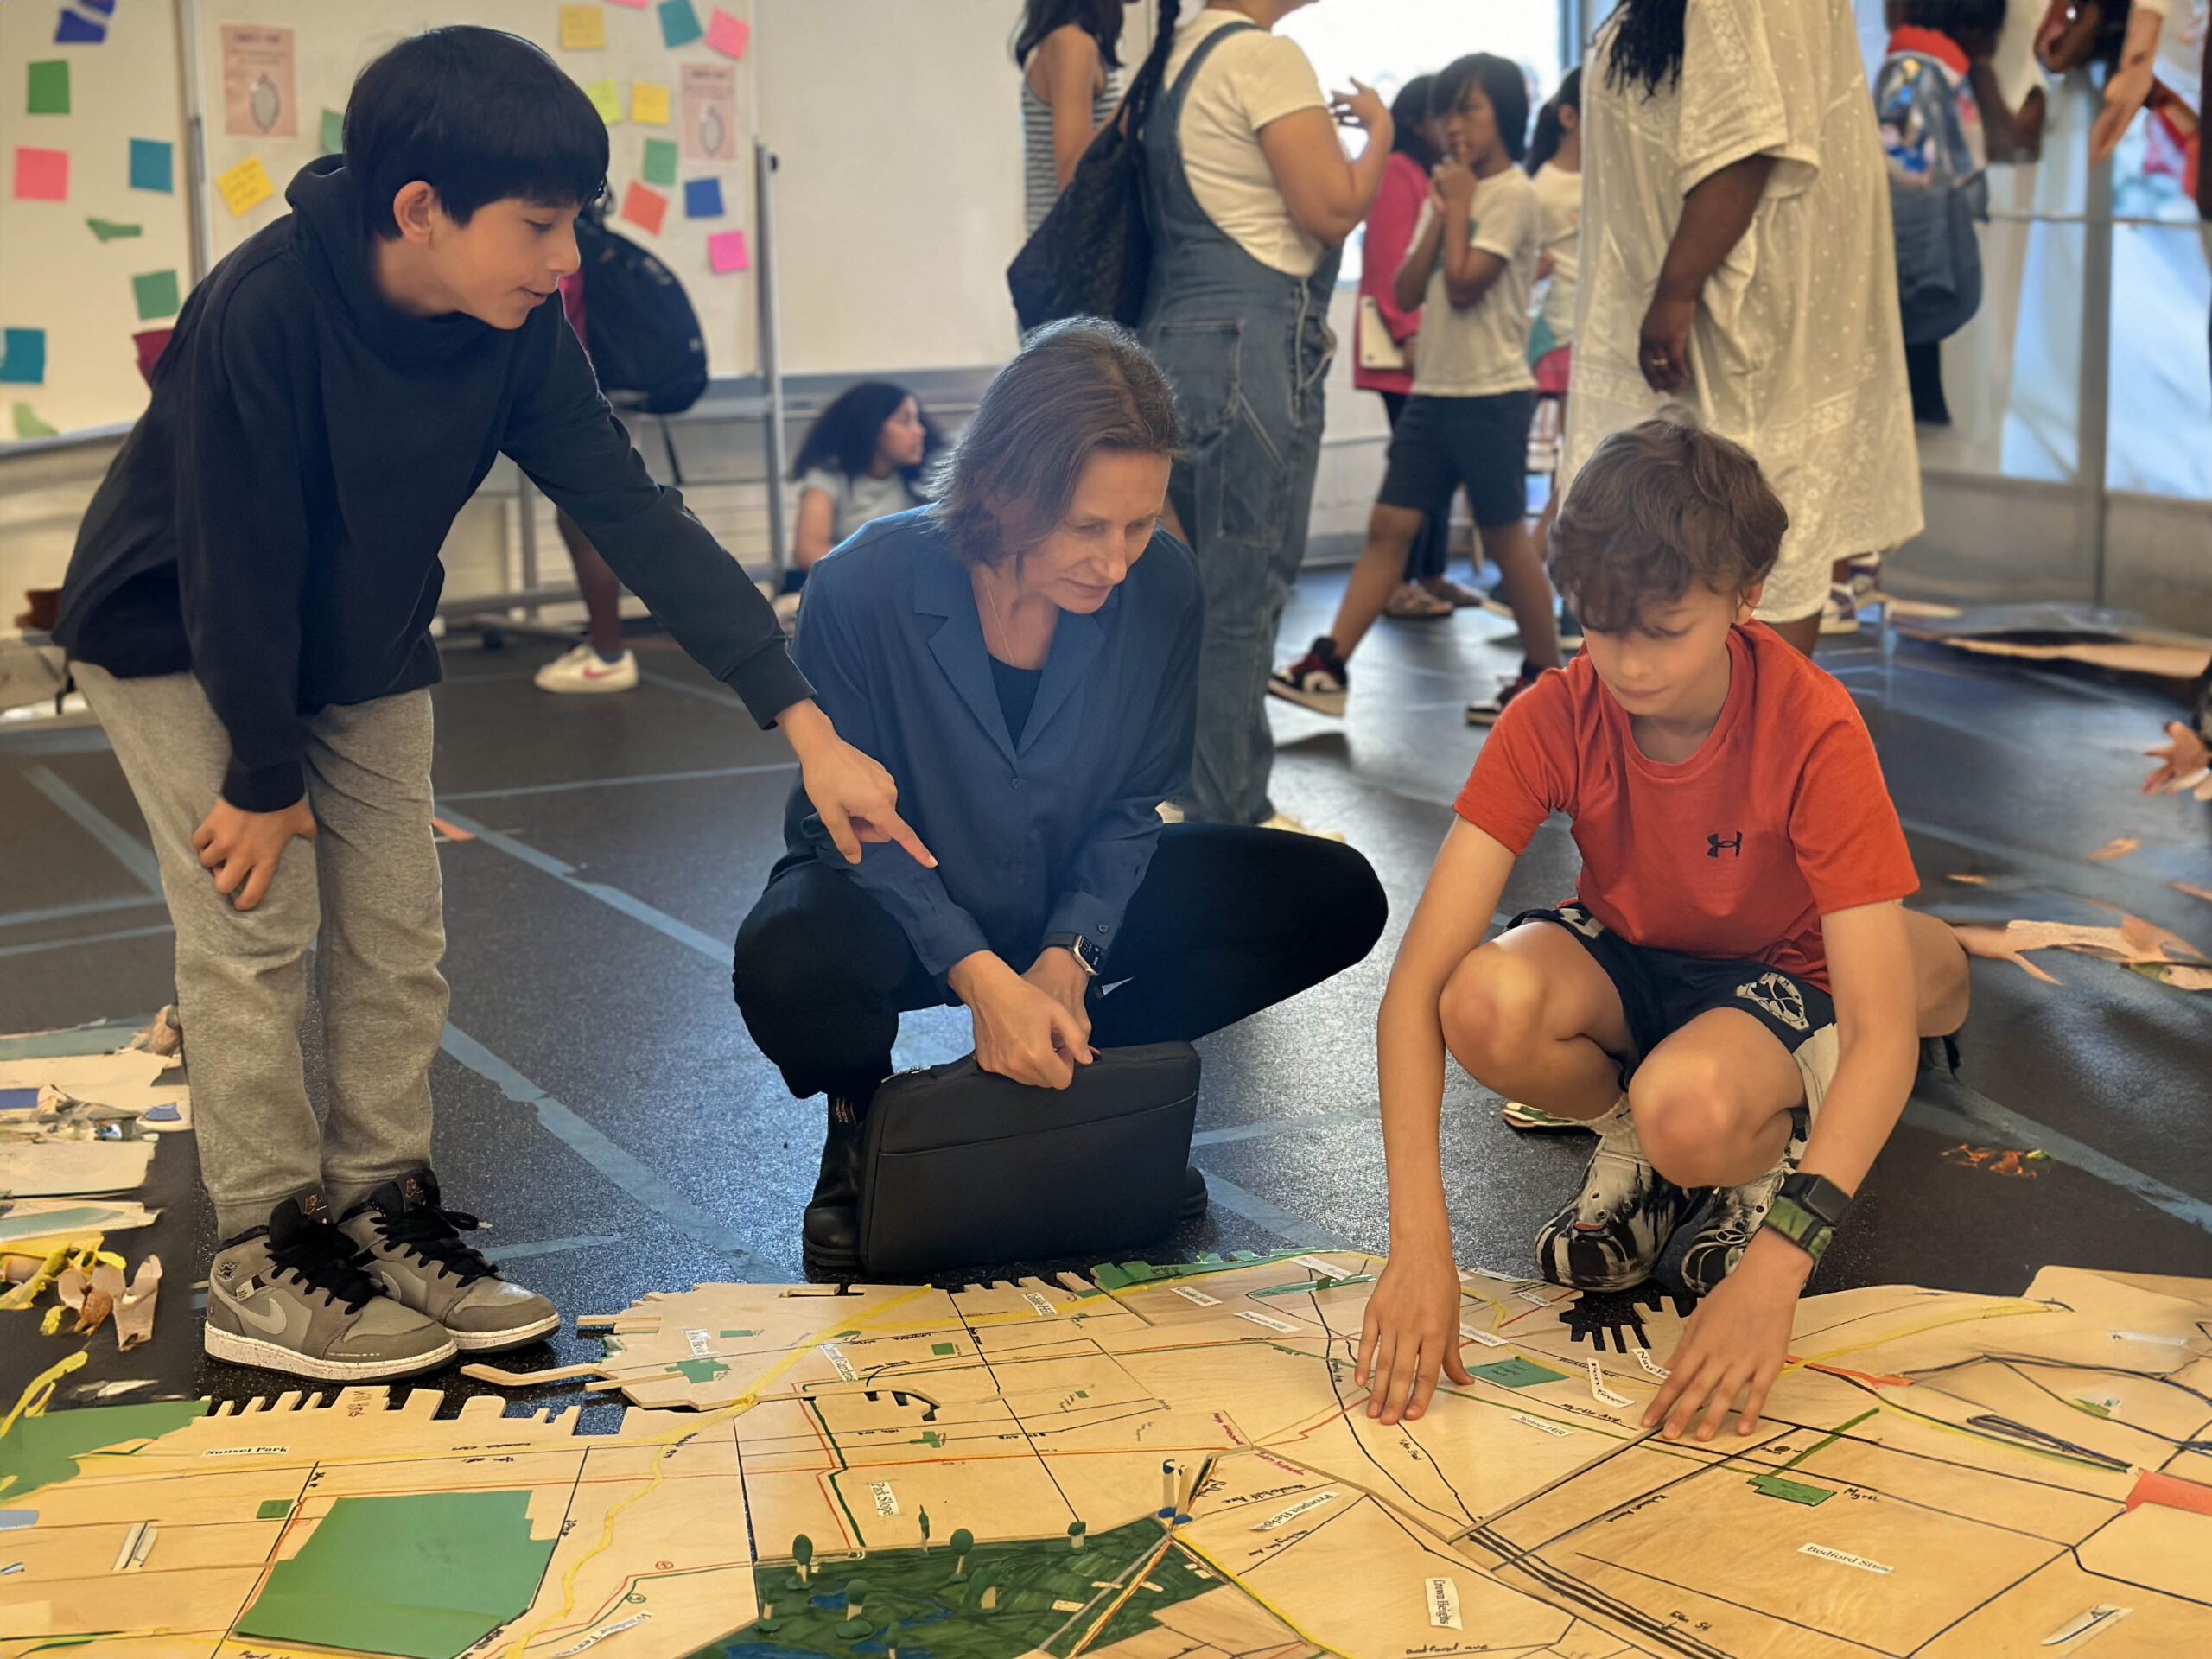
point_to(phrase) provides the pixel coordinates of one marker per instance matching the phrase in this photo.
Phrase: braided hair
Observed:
(1647, 45)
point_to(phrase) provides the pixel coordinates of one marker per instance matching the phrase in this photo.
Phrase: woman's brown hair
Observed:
(1077, 386)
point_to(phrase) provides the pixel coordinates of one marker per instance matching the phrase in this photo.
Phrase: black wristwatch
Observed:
(1808, 1211)
(1078, 947)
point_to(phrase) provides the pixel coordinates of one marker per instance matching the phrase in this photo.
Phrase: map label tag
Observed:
(1598, 1391)
(887, 1500)
(699, 1342)
(1558, 1430)
(246, 1452)
(838, 1362)
(1195, 1297)
(1272, 1324)
(1295, 1511)
(2082, 1623)
(1443, 1604)
(1530, 1296)
(1502, 1278)
(1841, 1558)
(1488, 1338)
(1317, 1267)
(1044, 1309)
(1651, 1366)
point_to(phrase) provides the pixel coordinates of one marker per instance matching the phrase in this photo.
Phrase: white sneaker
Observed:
(581, 670)
(1296, 826)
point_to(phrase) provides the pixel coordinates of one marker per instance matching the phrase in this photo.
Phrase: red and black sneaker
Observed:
(1319, 680)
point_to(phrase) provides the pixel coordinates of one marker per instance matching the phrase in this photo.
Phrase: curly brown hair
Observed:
(1076, 386)
(1657, 508)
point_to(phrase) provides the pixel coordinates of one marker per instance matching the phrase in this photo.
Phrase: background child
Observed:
(1554, 166)
(1471, 266)
(866, 457)
(1729, 1002)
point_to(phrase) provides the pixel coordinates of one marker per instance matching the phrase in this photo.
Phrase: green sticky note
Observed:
(604, 99)
(28, 424)
(1516, 1373)
(273, 1509)
(702, 1370)
(156, 294)
(737, 1333)
(943, 1350)
(660, 161)
(334, 132)
(1791, 1492)
(107, 230)
(49, 88)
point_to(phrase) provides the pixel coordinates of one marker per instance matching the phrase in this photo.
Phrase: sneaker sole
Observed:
(238, 1350)
(493, 1342)
(1518, 1116)
(589, 690)
(1484, 716)
(1322, 703)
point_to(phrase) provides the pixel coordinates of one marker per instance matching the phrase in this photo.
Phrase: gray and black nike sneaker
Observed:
(1610, 1235)
(292, 1296)
(414, 1246)
(1719, 1244)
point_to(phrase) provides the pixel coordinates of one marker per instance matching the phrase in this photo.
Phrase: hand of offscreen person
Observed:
(1021, 1032)
(2184, 753)
(1361, 107)
(241, 849)
(856, 797)
(1411, 1331)
(1734, 1345)
(1662, 348)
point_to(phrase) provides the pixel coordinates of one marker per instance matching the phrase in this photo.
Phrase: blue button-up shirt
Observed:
(1051, 833)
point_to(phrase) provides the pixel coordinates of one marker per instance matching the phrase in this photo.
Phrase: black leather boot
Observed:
(829, 1236)
(1194, 1195)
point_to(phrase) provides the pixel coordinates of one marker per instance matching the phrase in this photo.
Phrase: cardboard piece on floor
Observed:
(119, 1079)
(2097, 635)
(41, 1226)
(61, 1169)
(2143, 946)
(134, 1308)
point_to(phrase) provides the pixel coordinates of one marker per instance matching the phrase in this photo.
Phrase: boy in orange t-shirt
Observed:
(1730, 1000)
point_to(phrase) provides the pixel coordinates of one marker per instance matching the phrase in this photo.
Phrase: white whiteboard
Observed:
(55, 275)
(332, 42)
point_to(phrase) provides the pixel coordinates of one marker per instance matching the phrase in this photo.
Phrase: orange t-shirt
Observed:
(1779, 818)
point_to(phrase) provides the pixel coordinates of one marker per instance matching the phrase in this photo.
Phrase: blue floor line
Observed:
(134, 854)
(88, 907)
(37, 945)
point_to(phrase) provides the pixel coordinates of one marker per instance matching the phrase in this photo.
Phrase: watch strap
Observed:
(1807, 1210)
(1078, 946)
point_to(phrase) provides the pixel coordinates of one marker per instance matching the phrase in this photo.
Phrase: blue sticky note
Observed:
(702, 199)
(679, 24)
(17, 1100)
(150, 165)
(106, 7)
(164, 1113)
(73, 30)
(12, 1520)
(22, 356)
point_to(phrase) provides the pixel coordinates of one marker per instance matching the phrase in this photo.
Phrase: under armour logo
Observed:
(1734, 844)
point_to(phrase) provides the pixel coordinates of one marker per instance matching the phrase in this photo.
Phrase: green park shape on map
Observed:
(1165, 1463)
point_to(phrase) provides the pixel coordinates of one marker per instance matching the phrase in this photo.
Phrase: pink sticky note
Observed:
(725, 252)
(728, 35)
(643, 207)
(634, 5)
(41, 175)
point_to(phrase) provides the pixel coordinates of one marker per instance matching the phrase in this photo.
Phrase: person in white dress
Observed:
(1736, 260)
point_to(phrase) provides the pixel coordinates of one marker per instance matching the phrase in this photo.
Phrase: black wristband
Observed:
(1807, 1211)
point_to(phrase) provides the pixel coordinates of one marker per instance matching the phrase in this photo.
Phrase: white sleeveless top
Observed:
(1040, 180)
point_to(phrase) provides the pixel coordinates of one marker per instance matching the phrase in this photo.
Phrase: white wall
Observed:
(898, 203)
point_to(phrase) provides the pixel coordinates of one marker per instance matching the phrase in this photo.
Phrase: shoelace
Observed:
(433, 1233)
(322, 1258)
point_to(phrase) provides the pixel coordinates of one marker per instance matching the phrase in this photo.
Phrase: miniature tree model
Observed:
(961, 1542)
(925, 1530)
(802, 1553)
(1076, 1530)
(855, 1624)
(987, 1589)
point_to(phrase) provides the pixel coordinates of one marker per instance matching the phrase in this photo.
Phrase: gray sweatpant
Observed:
(365, 893)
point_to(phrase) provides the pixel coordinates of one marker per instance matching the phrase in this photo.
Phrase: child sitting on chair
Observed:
(1730, 1000)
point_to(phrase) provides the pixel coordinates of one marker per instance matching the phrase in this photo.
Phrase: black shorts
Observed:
(1441, 443)
(1662, 991)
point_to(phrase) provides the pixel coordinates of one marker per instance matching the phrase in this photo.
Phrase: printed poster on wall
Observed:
(257, 101)
(709, 99)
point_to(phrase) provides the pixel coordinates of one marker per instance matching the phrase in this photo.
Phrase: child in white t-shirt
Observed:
(1471, 267)
(865, 459)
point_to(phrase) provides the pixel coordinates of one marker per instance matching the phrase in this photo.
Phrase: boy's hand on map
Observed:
(1412, 1329)
(2184, 754)
(1736, 1341)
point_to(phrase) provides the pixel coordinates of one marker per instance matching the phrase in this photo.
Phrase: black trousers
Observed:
(1431, 552)
(1229, 921)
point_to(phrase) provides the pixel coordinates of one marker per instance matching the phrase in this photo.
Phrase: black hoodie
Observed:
(273, 522)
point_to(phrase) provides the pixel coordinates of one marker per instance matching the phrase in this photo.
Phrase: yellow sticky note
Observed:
(245, 186)
(583, 29)
(648, 103)
(604, 99)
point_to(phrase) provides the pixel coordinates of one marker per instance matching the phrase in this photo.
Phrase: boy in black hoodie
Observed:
(248, 611)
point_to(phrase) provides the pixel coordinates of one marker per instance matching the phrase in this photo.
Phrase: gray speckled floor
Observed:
(616, 1004)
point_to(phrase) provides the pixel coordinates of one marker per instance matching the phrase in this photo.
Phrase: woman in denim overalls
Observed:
(1246, 347)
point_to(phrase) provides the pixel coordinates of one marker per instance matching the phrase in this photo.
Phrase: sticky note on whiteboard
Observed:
(583, 29)
(728, 35)
(41, 175)
(648, 103)
(726, 251)
(245, 186)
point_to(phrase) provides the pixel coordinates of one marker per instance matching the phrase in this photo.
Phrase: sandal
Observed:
(1414, 603)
